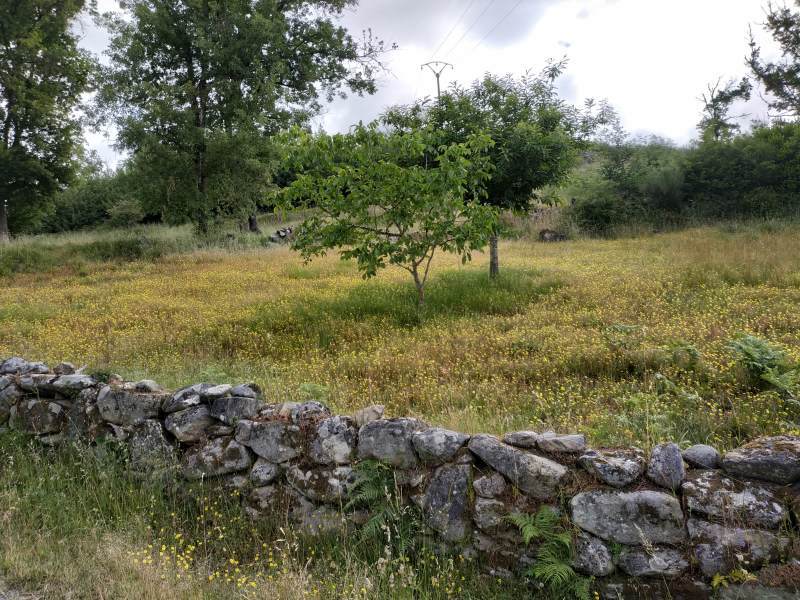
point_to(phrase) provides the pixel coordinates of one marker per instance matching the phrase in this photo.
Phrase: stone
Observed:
(213, 392)
(124, 407)
(445, 506)
(39, 416)
(521, 439)
(312, 520)
(265, 498)
(147, 386)
(652, 562)
(633, 518)
(775, 459)
(309, 411)
(368, 414)
(335, 442)
(573, 443)
(489, 515)
(264, 472)
(218, 456)
(276, 441)
(185, 398)
(722, 549)
(148, 448)
(219, 430)
(189, 425)
(37, 383)
(592, 556)
(614, 467)
(69, 384)
(16, 366)
(389, 441)
(231, 409)
(10, 394)
(711, 493)
(83, 416)
(435, 446)
(64, 368)
(755, 591)
(490, 486)
(329, 485)
(540, 477)
(702, 456)
(665, 467)
(246, 390)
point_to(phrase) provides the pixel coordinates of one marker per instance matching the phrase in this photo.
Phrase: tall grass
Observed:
(77, 524)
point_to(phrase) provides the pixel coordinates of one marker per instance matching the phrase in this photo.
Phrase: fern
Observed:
(392, 521)
(553, 566)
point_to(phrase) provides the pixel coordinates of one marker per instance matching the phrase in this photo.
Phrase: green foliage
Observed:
(197, 89)
(754, 175)
(43, 74)
(554, 554)
(390, 199)
(765, 363)
(392, 523)
(780, 77)
(716, 124)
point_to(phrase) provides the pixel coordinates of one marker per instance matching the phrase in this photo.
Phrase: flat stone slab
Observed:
(775, 459)
(711, 493)
(540, 477)
(630, 517)
(125, 407)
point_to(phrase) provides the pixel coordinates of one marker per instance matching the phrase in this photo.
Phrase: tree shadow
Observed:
(451, 294)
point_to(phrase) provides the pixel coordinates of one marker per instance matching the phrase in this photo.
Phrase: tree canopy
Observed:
(42, 75)
(201, 85)
(379, 203)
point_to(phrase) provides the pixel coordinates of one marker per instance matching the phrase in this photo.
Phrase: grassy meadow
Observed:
(626, 339)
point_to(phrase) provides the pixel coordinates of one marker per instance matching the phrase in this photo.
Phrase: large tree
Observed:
(780, 78)
(198, 83)
(42, 75)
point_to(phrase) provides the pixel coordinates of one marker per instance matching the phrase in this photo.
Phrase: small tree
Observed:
(536, 134)
(377, 202)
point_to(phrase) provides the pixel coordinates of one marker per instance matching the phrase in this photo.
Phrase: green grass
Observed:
(77, 524)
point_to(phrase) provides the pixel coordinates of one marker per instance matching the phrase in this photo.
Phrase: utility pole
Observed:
(437, 67)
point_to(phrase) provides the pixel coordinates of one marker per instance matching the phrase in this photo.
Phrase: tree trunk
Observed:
(420, 289)
(494, 260)
(252, 224)
(4, 235)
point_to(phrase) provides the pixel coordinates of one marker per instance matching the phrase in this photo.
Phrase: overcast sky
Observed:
(651, 59)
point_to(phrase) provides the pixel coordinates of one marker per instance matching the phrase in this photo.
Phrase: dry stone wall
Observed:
(656, 524)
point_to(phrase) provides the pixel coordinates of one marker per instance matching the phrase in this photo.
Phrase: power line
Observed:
(453, 28)
(495, 26)
(463, 35)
